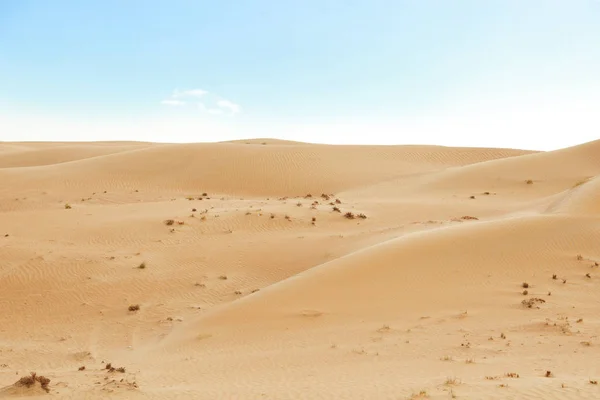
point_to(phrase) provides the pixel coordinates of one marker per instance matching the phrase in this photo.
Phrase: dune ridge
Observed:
(275, 269)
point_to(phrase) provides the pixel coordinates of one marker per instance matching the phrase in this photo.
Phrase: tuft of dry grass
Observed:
(362, 216)
(511, 375)
(142, 266)
(349, 215)
(336, 209)
(529, 182)
(68, 206)
(134, 307)
(223, 277)
(169, 222)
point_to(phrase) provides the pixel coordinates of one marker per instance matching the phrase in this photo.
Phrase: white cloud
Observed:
(171, 102)
(231, 106)
(189, 93)
(210, 104)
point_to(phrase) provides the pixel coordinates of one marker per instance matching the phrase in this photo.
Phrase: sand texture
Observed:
(267, 269)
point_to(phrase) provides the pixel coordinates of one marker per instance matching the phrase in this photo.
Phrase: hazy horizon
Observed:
(506, 74)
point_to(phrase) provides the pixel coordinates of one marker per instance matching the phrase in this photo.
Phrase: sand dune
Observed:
(441, 273)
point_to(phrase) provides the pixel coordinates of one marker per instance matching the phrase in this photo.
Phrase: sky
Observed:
(490, 73)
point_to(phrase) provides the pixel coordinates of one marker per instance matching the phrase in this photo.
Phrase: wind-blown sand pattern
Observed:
(223, 271)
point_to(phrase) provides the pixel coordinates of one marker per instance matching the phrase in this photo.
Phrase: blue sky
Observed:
(506, 73)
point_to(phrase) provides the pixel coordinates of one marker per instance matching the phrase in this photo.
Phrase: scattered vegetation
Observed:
(68, 206)
(511, 375)
(525, 292)
(579, 257)
(349, 215)
(554, 276)
(169, 222)
(336, 209)
(142, 265)
(134, 307)
(472, 197)
(525, 285)
(31, 379)
(529, 182)
(549, 374)
(223, 277)
(82, 368)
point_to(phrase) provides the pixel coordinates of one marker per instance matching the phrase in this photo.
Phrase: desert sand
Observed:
(222, 271)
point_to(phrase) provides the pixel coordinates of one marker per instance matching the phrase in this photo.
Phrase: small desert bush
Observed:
(362, 216)
(336, 209)
(67, 206)
(349, 215)
(169, 222)
(134, 307)
(31, 379)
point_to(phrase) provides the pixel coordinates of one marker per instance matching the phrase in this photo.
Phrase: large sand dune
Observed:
(474, 274)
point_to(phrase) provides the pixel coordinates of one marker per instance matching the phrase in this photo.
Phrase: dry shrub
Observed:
(169, 222)
(30, 380)
(362, 216)
(468, 217)
(134, 307)
(349, 215)
(336, 209)
(530, 303)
